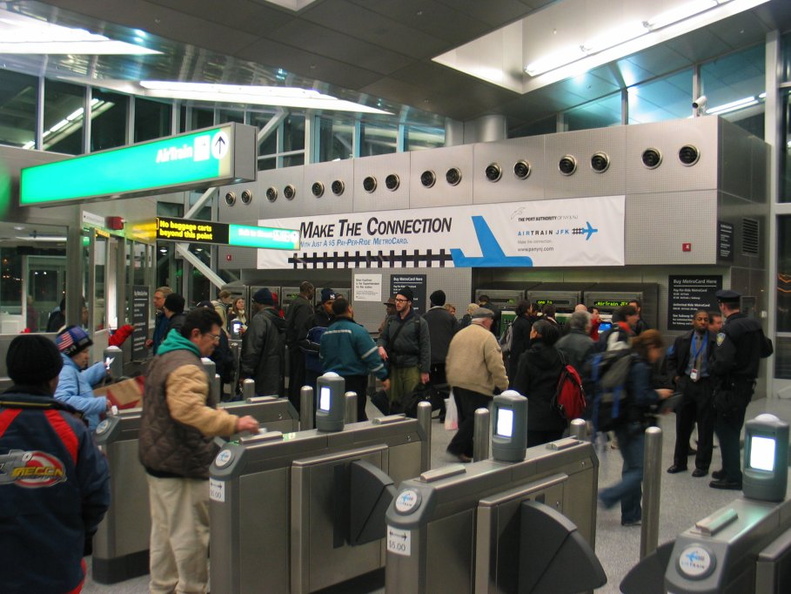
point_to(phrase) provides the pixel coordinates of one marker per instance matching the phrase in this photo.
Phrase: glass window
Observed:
(268, 145)
(152, 119)
(335, 139)
(267, 163)
(200, 118)
(378, 139)
(63, 117)
(109, 112)
(784, 274)
(546, 126)
(293, 160)
(600, 113)
(294, 133)
(785, 157)
(18, 109)
(230, 115)
(734, 86)
(423, 137)
(667, 98)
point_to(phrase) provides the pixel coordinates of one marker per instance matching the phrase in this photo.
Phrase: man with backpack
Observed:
(740, 347)
(405, 345)
(310, 336)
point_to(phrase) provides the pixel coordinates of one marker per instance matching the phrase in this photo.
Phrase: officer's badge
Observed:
(720, 338)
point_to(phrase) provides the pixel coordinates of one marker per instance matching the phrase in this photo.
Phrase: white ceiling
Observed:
(378, 52)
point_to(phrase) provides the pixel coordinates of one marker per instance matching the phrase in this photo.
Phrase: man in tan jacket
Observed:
(176, 449)
(474, 368)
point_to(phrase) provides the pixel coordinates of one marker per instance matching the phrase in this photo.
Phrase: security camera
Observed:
(700, 102)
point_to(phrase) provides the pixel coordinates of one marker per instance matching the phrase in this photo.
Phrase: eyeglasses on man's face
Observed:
(398, 300)
(214, 337)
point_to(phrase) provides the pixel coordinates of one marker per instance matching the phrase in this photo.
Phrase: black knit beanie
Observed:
(32, 360)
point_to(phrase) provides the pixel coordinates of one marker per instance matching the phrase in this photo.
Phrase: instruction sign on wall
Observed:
(686, 295)
(140, 304)
(416, 282)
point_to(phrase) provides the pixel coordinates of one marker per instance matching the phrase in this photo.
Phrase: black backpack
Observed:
(609, 376)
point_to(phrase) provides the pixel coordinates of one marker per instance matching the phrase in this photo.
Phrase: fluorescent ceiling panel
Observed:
(571, 37)
(26, 35)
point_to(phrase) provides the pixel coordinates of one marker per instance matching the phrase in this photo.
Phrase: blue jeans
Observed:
(631, 441)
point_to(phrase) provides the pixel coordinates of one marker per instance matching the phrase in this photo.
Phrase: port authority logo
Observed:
(32, 469)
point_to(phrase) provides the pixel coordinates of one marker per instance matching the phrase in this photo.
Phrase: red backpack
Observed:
(569, 399)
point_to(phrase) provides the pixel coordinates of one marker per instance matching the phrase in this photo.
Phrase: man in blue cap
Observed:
(740, 346)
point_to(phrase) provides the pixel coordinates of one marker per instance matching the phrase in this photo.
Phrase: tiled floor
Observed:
(683, 501)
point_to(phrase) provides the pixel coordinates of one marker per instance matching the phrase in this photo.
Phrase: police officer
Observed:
(740, 346)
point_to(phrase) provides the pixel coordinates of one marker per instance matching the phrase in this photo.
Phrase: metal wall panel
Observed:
(379, 167)
(582, 146)
(735, 161)
(439, 161)
(326, 174)
(658, 224)
(505, 154)
(668, 137)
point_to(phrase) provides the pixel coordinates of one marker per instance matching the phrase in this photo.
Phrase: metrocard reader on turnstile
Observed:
(522, 525)
(742, 548)
(120, 546)
(298, 512)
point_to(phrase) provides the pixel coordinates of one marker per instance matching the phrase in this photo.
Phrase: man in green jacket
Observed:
(176, 449)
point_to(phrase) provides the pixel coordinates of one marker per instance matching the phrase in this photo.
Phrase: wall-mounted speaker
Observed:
(522, 169)
(338, 187)
(453, 176)
(289, 192)
(317, 189)
(651, 158)
(369, 184)
(247, 196)
(567, 165)
(230, 198)
(271, 194)
(688, 155)
(600, 162)
(428, 178)
(493, 172)
(392, 182)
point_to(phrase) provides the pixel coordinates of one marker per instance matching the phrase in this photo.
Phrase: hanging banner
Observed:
(569, 232)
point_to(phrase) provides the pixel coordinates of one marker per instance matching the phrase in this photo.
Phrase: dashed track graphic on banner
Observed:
(569, 232)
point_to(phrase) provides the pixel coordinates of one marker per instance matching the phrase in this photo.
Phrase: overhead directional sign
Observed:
(192, 231)
(220, 155)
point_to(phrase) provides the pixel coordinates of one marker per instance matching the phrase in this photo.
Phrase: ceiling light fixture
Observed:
(253, 95)
(660, 26)
(26, 35)
(733, 105)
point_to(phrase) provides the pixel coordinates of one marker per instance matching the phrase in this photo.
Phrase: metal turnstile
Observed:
(120, 547)
(742, 548)
(304, 511)
(458, 529)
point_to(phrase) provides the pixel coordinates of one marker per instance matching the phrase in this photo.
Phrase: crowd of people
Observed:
(51, 409)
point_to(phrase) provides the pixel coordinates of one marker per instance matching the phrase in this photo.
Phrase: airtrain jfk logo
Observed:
(31, 469)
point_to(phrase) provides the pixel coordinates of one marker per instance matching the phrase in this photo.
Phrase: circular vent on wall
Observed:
(600, 162)
(317, 189)
(369, 184)
(247, 196)
(453, 176)
(428, 178)
(271, 194)
(230, 199)
(567, 165)
(688, 155)
(338, 187)
(289, 192)
(652, 158)
(522, 169)
(493, 172)
(392, 182)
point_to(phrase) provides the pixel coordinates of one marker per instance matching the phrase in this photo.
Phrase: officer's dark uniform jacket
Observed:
(741, 344)
(54, 491)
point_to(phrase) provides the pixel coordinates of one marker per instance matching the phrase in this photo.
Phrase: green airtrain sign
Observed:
(210, 157)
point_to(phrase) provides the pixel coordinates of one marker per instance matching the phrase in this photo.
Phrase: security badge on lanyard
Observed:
(694, 374)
